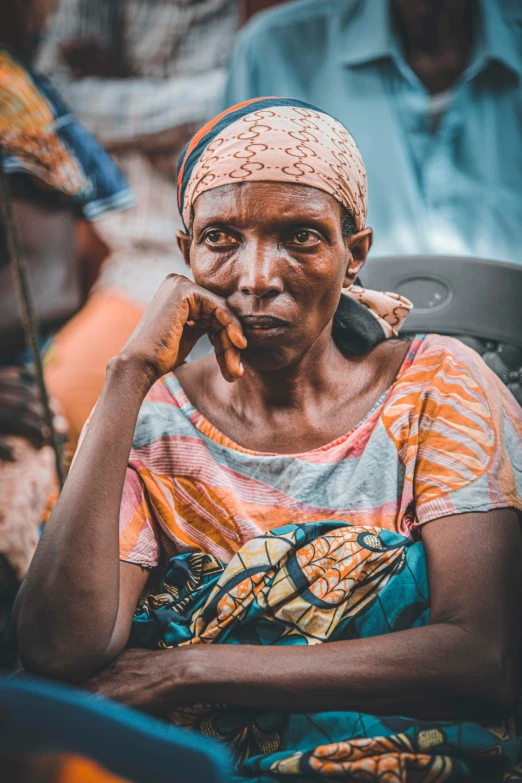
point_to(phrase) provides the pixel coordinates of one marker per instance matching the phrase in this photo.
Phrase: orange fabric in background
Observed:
(75, 769)
(76, 367)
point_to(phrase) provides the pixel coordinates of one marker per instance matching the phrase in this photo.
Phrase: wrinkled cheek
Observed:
(213, 276)
(322, 303)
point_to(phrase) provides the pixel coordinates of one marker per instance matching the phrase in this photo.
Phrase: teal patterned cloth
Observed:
(311, 584)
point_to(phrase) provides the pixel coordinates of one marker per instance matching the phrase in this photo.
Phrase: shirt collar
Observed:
(496, 42)
(370, 36)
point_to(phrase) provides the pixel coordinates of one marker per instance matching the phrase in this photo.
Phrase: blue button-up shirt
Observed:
(455, 189)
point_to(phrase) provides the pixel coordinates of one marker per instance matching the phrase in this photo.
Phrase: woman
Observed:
(310, 487)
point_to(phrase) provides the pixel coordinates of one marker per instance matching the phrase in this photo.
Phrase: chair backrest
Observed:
(454, 295)
(476, 300)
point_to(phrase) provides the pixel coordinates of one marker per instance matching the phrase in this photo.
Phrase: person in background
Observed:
(140, 76)
(432, 92)
(57, 174)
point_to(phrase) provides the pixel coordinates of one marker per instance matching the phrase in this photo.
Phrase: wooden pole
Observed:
(28, 312)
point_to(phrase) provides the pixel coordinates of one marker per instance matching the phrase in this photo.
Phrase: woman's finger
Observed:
(220, 356)
(191, 334)
(231, 322)
(230, 354)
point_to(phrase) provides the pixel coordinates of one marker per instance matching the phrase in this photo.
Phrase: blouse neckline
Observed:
(209, 430)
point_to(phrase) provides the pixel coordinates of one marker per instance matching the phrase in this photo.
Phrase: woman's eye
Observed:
(304, 238)
(217, 237)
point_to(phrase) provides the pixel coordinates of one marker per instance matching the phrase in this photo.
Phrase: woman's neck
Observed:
(318, 374)
(297, 409)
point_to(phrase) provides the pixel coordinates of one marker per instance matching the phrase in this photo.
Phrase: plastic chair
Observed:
(477, 300)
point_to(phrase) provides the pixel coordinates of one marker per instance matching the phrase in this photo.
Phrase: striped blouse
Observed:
(445, 438)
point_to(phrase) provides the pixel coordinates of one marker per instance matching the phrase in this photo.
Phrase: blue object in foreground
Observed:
(42, 717)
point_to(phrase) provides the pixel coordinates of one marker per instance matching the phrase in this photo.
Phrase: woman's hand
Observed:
(149, 680)
(181, 313)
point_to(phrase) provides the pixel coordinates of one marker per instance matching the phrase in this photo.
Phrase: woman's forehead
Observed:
(265, 199)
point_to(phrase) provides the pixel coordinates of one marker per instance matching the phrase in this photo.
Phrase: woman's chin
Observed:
(268, 357)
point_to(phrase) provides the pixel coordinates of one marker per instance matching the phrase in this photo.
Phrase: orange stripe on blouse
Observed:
(129, 536)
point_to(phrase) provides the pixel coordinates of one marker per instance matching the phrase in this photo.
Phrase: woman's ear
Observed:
(184, 243)
(358, 246)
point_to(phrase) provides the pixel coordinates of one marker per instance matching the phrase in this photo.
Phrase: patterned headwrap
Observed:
(283, 140)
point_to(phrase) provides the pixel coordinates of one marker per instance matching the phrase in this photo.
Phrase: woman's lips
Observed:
(262, 322)
(263, 327)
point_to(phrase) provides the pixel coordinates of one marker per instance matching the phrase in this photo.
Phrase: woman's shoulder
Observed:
(436, 349)
(450, 400)
(460, 428)
(438, 358)
(449, 374)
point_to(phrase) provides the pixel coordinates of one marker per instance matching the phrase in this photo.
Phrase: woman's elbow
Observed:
(54, 660)
(499, 681)
(52, 665)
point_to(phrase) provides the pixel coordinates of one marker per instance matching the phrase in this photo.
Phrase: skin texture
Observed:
(263, 249)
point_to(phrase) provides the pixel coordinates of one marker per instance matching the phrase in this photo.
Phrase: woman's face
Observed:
(276, 253)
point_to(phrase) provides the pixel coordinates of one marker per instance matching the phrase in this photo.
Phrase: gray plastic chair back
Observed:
(454, 295)
(477, 300)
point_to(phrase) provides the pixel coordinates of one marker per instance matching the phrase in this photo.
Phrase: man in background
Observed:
(141, 75)
(432, 92)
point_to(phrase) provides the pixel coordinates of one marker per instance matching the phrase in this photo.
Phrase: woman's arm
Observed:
(462, 664)
(75, 607)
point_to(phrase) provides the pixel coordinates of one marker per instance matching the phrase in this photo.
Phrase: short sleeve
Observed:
(138, 543)
(465, 438)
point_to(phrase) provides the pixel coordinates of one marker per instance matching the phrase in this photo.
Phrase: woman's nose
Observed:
(260, 273)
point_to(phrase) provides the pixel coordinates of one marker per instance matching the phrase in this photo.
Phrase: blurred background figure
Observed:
(430, 89)
(57, 175)
(141, 75)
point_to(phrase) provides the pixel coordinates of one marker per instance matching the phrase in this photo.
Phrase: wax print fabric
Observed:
(309, 584)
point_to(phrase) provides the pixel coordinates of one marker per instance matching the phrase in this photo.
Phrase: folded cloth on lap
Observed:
(311, 584)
